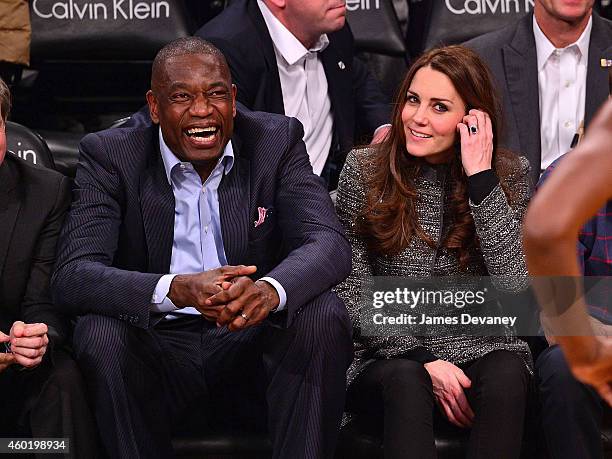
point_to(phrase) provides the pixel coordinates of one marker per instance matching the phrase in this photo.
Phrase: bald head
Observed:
(182, 47)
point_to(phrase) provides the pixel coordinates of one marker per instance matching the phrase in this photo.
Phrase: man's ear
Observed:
(234, 91)
(153, 107)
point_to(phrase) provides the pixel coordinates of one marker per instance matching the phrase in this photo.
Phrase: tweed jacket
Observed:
(500, 254)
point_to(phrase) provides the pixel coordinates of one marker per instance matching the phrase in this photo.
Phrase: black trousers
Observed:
(571, 412)
(49, 402)
(146, 382)
(399, 392)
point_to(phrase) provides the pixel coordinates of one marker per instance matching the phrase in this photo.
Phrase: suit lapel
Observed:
(597, 85)
(339, 84)
(521, 69)
(234, 204)
(10, 205)
(269, 97)
(157, 206)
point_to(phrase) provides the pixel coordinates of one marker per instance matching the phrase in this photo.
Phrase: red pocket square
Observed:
(262, 216)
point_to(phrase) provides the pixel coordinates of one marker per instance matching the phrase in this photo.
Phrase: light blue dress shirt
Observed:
(198, 241)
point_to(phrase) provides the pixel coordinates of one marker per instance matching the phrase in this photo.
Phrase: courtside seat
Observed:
(379, 39)
(452, 22)
(28, 145)
(93, 60)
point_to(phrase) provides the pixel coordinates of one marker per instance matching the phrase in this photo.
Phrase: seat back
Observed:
(376, 27)
(447, 22)
(104, 30)
(379, 38)
(28, 145)
(93, 59)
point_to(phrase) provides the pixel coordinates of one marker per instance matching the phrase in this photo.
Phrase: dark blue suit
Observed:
(117, 243)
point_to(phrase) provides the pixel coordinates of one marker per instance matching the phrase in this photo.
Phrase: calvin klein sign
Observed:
(114, 10)
(354, 5)
(489, 6)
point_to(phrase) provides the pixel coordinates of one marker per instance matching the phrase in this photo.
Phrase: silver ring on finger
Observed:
(244, 316)
(473, 129)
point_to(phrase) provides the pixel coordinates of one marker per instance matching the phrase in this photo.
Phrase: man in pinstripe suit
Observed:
(199, 256)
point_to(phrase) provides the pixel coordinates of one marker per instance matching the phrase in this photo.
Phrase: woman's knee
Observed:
(503, 376)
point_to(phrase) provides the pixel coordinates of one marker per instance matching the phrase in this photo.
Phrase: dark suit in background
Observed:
(145, 374)
(49, 400)
(570, 412)
(358, 104)
(511, 56)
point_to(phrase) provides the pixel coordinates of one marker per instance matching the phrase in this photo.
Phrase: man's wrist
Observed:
(273, 299)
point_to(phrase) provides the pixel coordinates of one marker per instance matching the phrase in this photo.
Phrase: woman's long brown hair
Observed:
(390, 220)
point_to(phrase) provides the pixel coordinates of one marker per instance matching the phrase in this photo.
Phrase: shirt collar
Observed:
(171, 161)
(288, 46)
(545, 48)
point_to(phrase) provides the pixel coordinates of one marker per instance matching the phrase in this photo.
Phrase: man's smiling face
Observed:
(193, 100)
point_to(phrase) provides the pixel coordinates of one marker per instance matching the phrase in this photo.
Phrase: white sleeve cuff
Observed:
(282, 295)
(160, 301)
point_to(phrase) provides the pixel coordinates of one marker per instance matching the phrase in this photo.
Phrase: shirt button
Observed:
(568, 83)
(567, 124)
(183, 166)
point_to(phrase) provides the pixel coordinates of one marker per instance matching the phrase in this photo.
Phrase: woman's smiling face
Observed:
(430, 116)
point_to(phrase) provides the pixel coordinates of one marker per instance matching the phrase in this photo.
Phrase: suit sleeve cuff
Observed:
(282, 295)
(160, 301)
(481, 184)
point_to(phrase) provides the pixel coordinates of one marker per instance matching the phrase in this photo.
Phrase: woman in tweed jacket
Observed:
(438, 198)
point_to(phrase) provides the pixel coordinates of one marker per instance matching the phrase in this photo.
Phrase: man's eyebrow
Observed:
(435, 99)
(216, 84)
(177, 85)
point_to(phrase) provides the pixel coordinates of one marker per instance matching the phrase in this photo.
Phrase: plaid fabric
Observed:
(595, 255)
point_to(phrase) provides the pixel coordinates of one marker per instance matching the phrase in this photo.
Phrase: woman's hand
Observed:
(476, 142)
(448, 382)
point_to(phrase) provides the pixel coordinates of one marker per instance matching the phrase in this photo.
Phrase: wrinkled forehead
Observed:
(190, 67)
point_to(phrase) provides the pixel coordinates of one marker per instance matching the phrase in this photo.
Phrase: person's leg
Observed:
(571, 412)
(306, 375)
(301, 370)
(401, 391)
(60, 408)
(140, 380)
(498, 397)
(13, 397)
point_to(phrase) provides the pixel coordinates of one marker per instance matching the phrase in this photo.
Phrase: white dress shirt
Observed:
(304, 86)
(562, 87)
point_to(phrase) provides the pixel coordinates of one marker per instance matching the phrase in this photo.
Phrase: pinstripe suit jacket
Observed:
(117, 239)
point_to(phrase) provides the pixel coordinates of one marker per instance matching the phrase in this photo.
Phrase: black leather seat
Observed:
(93, 61)
(451, 22)
(28, 145)
(379, 40)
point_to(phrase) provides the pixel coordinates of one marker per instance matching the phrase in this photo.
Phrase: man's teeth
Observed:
(418, 134)
(202, 132)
